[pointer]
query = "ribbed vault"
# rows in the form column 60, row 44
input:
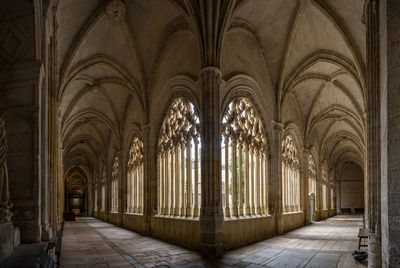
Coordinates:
column 306, row 56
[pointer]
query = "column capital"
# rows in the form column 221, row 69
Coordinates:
column 277, row 126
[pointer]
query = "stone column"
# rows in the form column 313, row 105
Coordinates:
column 276, row 179
column 389, row 37
column 339, row 193
column 211, row 217
column 149, row 179
column 60, row 186
column 46, row 231
column 122, row 189
column 189, row 194
column 320, row 192
column 246, row 181
column 240, row 187
column 305, row 198
column 196, row 178
column 374, row 129
column 90, row 203
column 235, row 211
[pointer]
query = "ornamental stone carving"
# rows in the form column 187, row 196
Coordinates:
column 181, row 125
column 242, row 125
column 116, row 10
column 115, row 168
column 135, row 154
column 5, row 203
column 289, row 152
column 312, row 171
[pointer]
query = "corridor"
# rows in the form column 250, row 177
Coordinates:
column 89, row 242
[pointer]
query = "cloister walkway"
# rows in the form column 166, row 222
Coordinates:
column 89, row 242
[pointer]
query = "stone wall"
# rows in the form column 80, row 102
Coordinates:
column 244, row 231
column 184, row 232
column 292, row 221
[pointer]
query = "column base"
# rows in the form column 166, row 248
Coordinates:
column 189, row 211
column 211, row 235
column 212, row 251
column 46, row 232
column 176, row 211
column 7, row 240
column 196, row 212
column 374, row 252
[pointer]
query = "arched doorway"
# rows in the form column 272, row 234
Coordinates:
column 351, row 189
column 311, row 197
column 76, row 192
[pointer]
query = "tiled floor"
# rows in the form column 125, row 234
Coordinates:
column 89, row 242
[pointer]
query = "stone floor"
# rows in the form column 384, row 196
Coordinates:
column 89, row 242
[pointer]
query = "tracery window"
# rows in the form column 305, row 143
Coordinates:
column 114, row 185
column 179, row 161
column 135, row 177
column 312, row 178
column 290, row 176
column 244, row 161
column 324, row 174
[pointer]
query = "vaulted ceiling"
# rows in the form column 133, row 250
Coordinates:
column 307, row 56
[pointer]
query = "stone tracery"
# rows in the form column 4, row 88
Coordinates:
column 290, row 176
column 135, row 177
column 114, row 185
column 324, row 182
column 312, row 179
column 244, row 172
column 179, row 161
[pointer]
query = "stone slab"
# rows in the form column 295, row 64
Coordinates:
column 7, row 240
column 291, row 258
column 326, row 260
column 263, row 255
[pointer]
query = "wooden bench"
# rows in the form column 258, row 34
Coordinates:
column 362, row 234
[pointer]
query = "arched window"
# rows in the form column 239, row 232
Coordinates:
column 179, row 161
column 135, row 177
column 312, row 178
column 103, row 197
column 114, row 185
column 244, row 161
column 324, row 175
column 95, row 199
column 290, row 176
column 103, row 188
